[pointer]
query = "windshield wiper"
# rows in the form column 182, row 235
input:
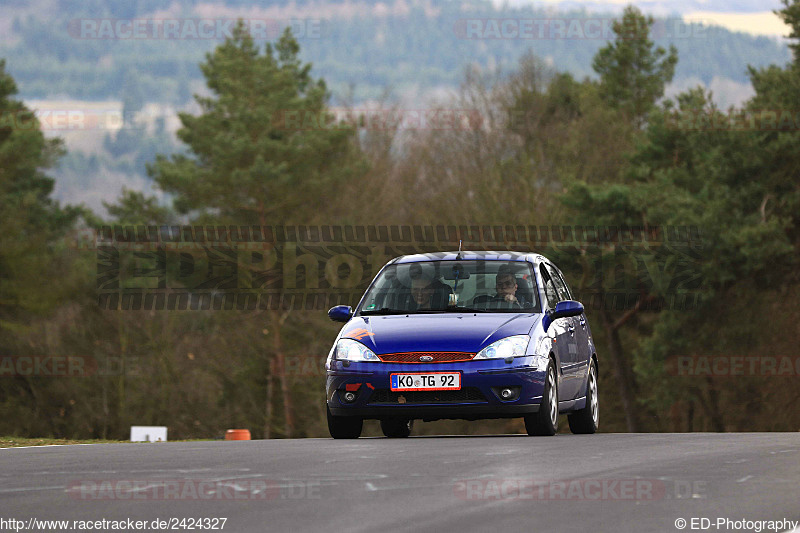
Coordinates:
column 388, row 311
column 384, row 311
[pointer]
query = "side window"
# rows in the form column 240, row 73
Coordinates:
column 550, row 291
column 561, row 287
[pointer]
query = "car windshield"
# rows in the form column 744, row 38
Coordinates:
column 453, row 286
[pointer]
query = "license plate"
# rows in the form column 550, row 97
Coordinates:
column 425, row 381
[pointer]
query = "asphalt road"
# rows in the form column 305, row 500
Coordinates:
column 605, row 482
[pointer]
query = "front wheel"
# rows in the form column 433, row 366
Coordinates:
column 545, row 422
column 344, row 427
column 397, row 428
column 587, row 420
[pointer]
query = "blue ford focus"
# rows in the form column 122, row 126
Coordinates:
column 463, row 335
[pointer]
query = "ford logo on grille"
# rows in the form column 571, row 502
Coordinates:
column 425, row 358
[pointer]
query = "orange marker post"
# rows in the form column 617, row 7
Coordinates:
column 237, row 434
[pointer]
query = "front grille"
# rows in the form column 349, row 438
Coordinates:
column 467, row 394
column 438, row 357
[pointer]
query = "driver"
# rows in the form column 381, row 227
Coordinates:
column 421, row 291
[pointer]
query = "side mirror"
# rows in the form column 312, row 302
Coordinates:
column 342, row 313
column 564, row 309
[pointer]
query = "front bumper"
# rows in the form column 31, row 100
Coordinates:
column 483, row 380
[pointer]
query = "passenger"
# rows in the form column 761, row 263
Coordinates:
column 506, row 287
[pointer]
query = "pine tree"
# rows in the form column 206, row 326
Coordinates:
column 632, row 72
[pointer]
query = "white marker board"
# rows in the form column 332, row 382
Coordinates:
column 148, row 433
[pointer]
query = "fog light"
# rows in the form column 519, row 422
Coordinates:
column 506, row 393
column 349, row 396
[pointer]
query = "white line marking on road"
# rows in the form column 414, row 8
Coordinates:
column 57, row 473
column 52, row 446
column 29, row 489
column 372, row 488
column 147, row 471
column 783, row 451
column 745, row 478
column 345, row 477
column 153, row 485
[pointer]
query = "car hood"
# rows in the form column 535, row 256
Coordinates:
column 451, row 332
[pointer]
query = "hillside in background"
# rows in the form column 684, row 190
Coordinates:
column 411, row 51
column 410, row 48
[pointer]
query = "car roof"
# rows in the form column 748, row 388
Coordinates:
column 506, row 255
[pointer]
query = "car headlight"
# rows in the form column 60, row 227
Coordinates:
column 514, row 346
column 350, row 350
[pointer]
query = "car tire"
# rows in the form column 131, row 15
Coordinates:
column 587, row 420
column 344, row 427
column 545, row 422
column 397, row 428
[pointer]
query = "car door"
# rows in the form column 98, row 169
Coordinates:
column 559, row 330
column 572, row 366
column 583, row 334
